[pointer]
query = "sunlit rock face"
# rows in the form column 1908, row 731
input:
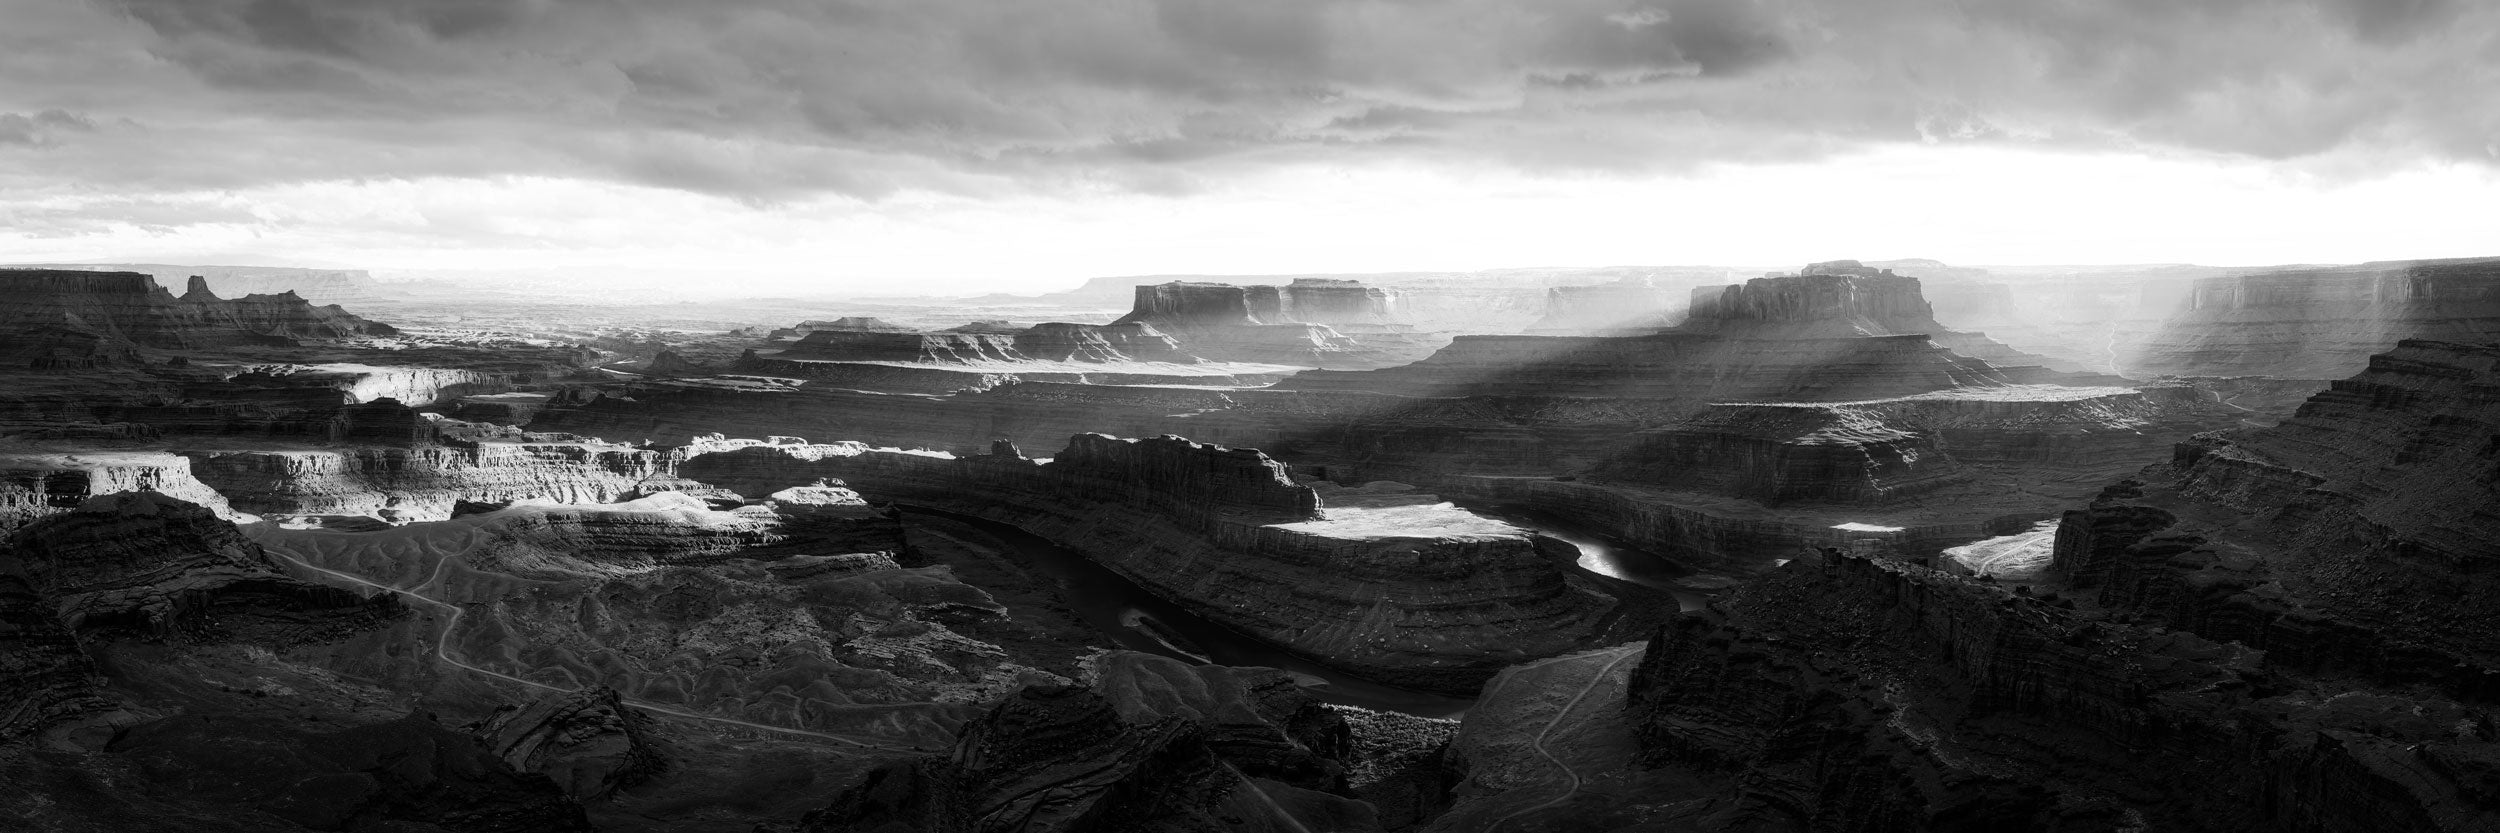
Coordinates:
column 2321, row 323
column 1427, row 596
column 413, row 469
column 37, row 485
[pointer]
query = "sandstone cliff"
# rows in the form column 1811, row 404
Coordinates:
column 2352, row 538
column 2321, row 323
column 1853, row 693
column 143, row 565
column 422, row 474
column 37, row 485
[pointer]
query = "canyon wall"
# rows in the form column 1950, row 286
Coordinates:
column 424, row 478
column 2321, row 323
column 1424, row 596
column 2355, row 537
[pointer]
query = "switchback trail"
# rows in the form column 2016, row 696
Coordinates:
column 1573, row 788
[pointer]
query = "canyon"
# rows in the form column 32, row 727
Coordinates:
column 1883, row 546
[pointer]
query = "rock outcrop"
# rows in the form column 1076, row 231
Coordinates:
column 423, row 474
column 2353, row 538
column 2321, row 323
column 1065, row 758
column 1775, row 454
column 143, row 565
column 2282, row 628
column 38, row 485
column 589, row 742
column 1132, row 353
column 1425, row 596
column 1856, row 693
column 152, row 563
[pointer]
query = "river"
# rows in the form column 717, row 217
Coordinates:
column 1137, row 620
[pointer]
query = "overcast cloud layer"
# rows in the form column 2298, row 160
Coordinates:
column 775, row 102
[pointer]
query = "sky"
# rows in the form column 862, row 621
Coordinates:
column 759, row 147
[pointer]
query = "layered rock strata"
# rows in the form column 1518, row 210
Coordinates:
column 589, row 742
column 422, row 477
column 2353, row 538
column 38, row 485
column 143, row 565
column 1066, row 758
column 1114, row 354
column 1426, row 596
column 2321, row 323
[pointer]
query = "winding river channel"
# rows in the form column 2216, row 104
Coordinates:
column 1137, row 620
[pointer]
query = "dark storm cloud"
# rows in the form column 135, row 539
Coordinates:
column 778, row 99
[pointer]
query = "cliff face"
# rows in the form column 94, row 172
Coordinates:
column 148, row 561
column 1059, row 342
column 1426, row 596
column 1850, row 693
column 423, row 478
column 142, row 565
column 2353, row 538
column 1326, row 301
column 2321, row 323
column 35, row 486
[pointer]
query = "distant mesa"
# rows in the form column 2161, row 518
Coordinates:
column 70, row 320
column 1631, row 305
column 348, row 287
column 845, row 324
column 1311, row 322
column 2321, row 323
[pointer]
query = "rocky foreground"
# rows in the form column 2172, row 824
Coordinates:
column 2267, row 633
column 269, row 567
